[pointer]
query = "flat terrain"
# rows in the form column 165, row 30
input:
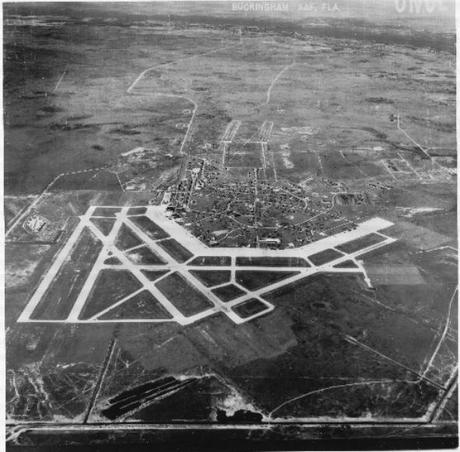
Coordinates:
column 216, row 217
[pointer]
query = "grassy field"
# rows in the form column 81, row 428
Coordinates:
column 110, row 286
column 185, row 297
column 149, row 227
column 212, row 278
column 144, row 256
column 176, row 250
column 210, row 260
column 324, row 257
column 141, row 306
column 228, row 292
column 104, row 224
column 66, row 286
column 254, row 280
column 359, row 244
column 127, row 238
column 272, row 261
column 249, row 308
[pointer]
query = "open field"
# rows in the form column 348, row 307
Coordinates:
column 229, row 219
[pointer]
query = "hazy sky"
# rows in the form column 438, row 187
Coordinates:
column 432, row 15
column 443, row 10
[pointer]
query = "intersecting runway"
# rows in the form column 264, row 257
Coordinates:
column 279, row 267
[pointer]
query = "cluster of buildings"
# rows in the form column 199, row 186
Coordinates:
column 221, row 209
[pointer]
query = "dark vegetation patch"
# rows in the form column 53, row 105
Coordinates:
column 144, row 256
column 79, row 117
column 446, row 127
column 65, row 126
column 239, row 417
column 249, row 308
column 186, row 298
column 112, row 261
column 126, row 238
column 272, row 261
column 324, row 257
column 361, row 243
column 379, row 100
column 153, row 275
column 137, row 210
column 106, row 211
column 350, row 311
column 125, row 130
column 229, row 292
column 379, row 135
column 351, row 199
column 133, row 398
column 197, row 395
column 149, row 227
column 176, row 250
column 167, row 399
column 104, row 224
column 52, row 109
column 22, row 62
column 212, row 278
column 254, row 280
column 110, row 286
column 200, row 88
column 346, row 264
column 211, row 261
column 141, row 306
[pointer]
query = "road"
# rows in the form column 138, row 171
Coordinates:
column 275, row 79
column 443, row 334
column 398, row 125
column 180, row 60
column 37, row 200
column 60, row 79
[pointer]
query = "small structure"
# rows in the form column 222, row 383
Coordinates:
column 34, row 223
column 271, row 241
column 133, row 151
column 166, row 197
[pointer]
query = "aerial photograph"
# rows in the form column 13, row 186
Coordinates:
column 230, row 223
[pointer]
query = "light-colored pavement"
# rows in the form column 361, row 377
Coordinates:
column 159, row 216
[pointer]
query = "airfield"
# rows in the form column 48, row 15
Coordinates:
column 239, row 226
column 150, row 247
